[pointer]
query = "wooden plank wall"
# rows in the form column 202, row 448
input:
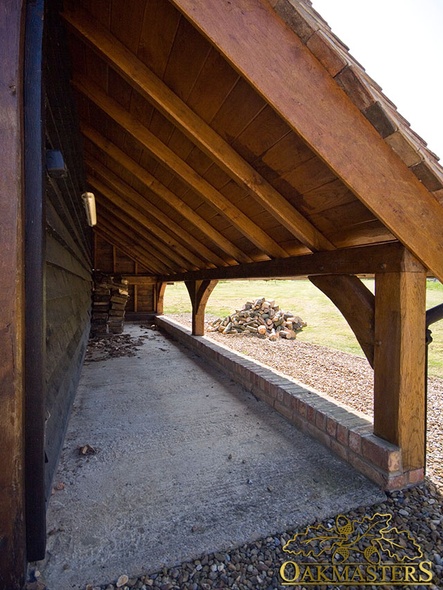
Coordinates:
column 12, row 529
column 68, row 252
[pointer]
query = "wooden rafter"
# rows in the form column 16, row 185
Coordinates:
column 177, row 166
column 139, row 201
column 147, row 240
column 304, row 94
column 147, row 84
column 170, row 259
column 164, row 193
column 139, row 244
column 185, row 255
column 117, row 240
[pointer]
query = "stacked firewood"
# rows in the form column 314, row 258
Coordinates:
column 261, row 317
column 109, row 299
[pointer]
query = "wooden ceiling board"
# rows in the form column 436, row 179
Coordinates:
column 188, row 55
column 215, row 82
column 282, row 157
column 256, row 190
column 99, row 9
column 141, row 109
column 332, row 127
column 154, row 234
column 331, row 194
column 342, row 218
column 373, row 232
column 138, row 237
column 105, row 232
column 206, row 139
column 160, row 24
column 126, row 22
column 189, row 245
column 189, row 234
column 118, row 238
column 93, row 67
column 119, row 90
column 263, row 132
column 238, row 110
column 116, row 159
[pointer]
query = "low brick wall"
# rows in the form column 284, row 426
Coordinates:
column 346, row 432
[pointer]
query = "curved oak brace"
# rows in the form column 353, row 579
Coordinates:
column 159, row 296
column 355, row 302
column 199, row 292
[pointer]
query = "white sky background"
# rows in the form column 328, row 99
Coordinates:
column 400, row 45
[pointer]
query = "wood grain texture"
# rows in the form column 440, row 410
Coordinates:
column 12, row 555
column 164, row 193
column 148, row 206
column 379, row 258
column 142, row 216
column 155, row 91
column 355, row 302
column 334, row 128
column 399, row 364
column 141, row 250
column 167, row 157
column 199, row 292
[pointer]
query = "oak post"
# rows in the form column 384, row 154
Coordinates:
column 159, row 296
column 399, row 363
column 199, row 292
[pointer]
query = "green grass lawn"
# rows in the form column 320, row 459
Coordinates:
column 326, row 326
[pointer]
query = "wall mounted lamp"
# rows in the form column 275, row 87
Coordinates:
column 89, row 203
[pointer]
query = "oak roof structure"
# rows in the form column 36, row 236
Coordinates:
column 222, row 139
column 220, row 134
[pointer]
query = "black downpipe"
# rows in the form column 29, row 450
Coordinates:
column 34, row 377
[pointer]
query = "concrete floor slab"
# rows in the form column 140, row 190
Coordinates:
column 186, row 462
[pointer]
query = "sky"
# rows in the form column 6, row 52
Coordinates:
column 400, row 45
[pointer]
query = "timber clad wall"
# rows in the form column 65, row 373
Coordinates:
column 68, row 253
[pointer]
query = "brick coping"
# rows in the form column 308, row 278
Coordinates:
column 349, row 434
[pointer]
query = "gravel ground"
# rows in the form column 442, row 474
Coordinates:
column 349, row 379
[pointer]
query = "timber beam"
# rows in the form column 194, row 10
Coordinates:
column 295, row 84
column 147, row 223
column 138, row 235
column 149, row 208
column 164, row 193
column 165, row 156
column 391, row 257
column 199, row 292
column 148, row 85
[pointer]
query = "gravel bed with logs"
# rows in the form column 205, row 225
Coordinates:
column 349, row 379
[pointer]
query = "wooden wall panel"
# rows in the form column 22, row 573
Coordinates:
column 12, row 531
column 68, row 250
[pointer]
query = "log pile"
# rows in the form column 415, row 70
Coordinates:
column 109, row 299
column 262, row 318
